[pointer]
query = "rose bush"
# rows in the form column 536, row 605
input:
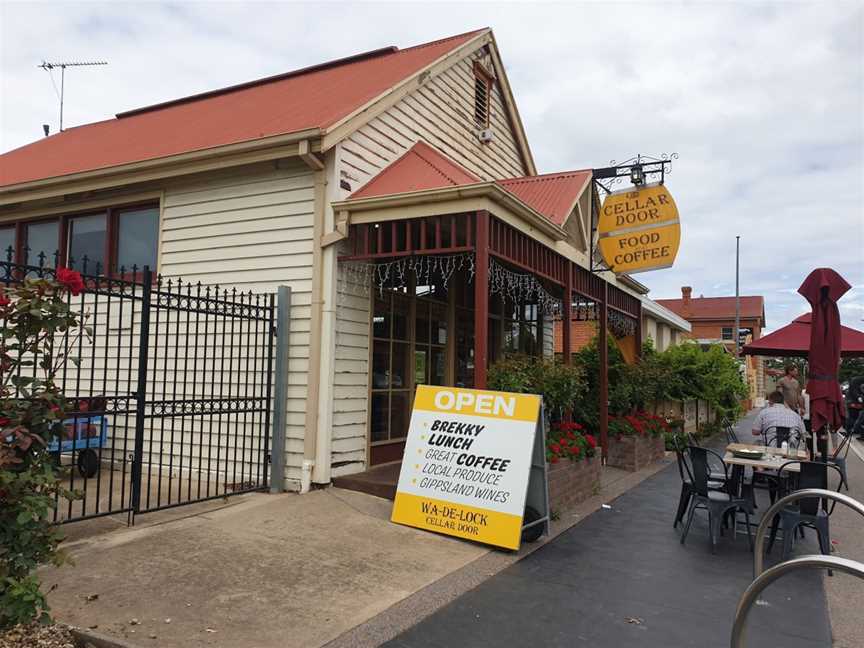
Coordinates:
column 33, row 314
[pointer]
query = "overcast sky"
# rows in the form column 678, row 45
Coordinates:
column 764, row 103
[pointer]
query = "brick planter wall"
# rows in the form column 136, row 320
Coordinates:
column 572, row 482
column 635, row 452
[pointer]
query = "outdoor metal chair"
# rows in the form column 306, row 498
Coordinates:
column 686, row 472
column 810, row 512
column 774, row 436
column 838, row 458
column 729, row 429
column 718, row 502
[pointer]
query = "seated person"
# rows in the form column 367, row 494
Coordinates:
column 777, row 414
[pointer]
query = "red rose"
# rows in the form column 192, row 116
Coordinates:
column 71, row 279
column 589, row 438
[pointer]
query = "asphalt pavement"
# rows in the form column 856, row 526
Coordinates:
column 622, row 578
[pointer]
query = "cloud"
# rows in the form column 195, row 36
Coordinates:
column 763, row 102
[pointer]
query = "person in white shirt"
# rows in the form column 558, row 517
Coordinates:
column 778, row 415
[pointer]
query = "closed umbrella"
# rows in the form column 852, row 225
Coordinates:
column 823, row 288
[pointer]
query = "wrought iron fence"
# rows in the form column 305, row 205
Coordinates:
column 170, row 392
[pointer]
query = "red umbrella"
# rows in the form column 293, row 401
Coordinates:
column 822, row 288
column 793, row 340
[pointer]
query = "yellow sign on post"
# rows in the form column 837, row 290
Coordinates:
column 639, row 229
column 467, row 464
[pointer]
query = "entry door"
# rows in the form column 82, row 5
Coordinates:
column 411, row 346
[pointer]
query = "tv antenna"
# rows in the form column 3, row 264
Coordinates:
column 50, row 66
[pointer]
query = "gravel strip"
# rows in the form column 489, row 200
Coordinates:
column 37, row 636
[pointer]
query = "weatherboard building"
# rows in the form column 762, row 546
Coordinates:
column 393, row 191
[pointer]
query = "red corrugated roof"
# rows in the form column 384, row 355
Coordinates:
column 314, row 97
column 424, row 167
column 715, row 307
column 553, row 194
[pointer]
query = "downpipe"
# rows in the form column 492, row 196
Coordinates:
column 306, row 476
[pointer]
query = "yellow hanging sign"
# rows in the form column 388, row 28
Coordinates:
column 639, row 229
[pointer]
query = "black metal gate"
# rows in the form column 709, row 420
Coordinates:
column 171, row 392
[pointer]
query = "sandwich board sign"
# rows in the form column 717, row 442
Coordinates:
column 473, row 460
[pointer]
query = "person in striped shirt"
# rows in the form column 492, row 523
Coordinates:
column 777, row 414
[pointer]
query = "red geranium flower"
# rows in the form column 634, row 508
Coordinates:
column 555, row 448
column 571, row 436
column 554, row 459
column 4, row 300
column 71, row 279
column 589, row 438
column 575, row 450
column 577, row 426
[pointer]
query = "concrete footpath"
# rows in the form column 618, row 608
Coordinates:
column 621, row 578
column 275, row 571
column 267, row 571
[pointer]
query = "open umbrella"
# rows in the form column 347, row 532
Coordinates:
column 822, row 288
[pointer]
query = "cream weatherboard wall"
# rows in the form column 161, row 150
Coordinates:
column 250, row 228
column 441, row 113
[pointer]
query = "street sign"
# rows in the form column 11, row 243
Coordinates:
column 469, row 457
column 639, row 229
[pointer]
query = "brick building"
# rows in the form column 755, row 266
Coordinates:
column 712, row 320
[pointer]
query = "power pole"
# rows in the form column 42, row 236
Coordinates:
column 737, row 300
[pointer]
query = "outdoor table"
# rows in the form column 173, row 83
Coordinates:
column 772, row 461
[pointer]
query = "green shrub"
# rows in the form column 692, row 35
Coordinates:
column 560, row 385
column 33, row 315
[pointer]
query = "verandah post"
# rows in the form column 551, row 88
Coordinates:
column 481, row 298
column 603, row 400
column 567, row 315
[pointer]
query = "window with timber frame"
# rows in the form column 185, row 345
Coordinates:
column 115, row 238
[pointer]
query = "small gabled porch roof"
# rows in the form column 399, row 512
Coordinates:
column 425, row 169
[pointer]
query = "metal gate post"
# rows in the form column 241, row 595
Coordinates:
column 141, row 391
column 280, row 392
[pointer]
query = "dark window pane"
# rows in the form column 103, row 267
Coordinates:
column 379, row 417
column 381, row 317
column 401, row 366
column 137, row 238
column 7, row 240
column 439, row 324
column 87, row 238
column 400, row 317
column 422, row 323
column 42, row 238
column 464, row 348
column 399, row 414
column 438, row 366
column 381, row 365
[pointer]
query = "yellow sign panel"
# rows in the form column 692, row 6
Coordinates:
column 467, row 464
column 639, row 230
